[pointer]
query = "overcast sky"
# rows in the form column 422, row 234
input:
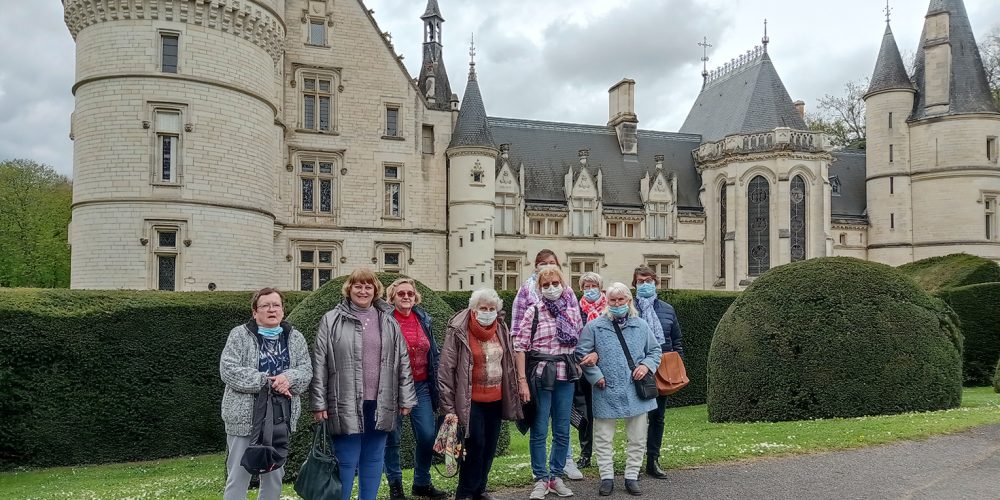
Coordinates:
column 537, row 59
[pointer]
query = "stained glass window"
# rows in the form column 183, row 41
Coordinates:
column 167, row 272
column 798, row 218
column 318, row 186
column 759, row 226
column 307, row 195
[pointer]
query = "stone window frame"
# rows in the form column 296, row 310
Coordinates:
column 656, row 210
column 385, row 249
column 588, row 262
column 154, row 109
column 991, row 214
column 396, row 105
column 763, row 237
column 161, row 36
column 506, row 273
column 505, row 204
column 796, row 235
column 388, row 181
column 318, row 158
column 551, row 225
column 621, row 226
column 309, row 22
column 582, row 218
column 302, row 73
column 316, row 267
column 665, row 279
column 427, row 146
column 991, row 149
column 152, row 240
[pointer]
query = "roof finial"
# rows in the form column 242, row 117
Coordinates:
column 765, row 40
column 704, row 58
column 472, row 57
column 888, row 11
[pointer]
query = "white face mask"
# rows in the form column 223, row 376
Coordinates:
column 552, row 292
column 486, row 318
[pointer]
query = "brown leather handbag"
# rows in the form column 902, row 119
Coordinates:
column 671, row 375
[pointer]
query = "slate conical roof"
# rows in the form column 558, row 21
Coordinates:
column 969, row 88
column 749, row 98
column 432, row 10
column 890, row 72
column 472, row 129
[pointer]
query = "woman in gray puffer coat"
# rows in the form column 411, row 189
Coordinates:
column 265, row 351
column 362, row 381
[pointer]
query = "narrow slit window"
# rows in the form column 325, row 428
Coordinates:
column 169, row 43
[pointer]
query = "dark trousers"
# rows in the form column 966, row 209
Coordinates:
column 584, row 402
column 480, row 447
column 654, row 435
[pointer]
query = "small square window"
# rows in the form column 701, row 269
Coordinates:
column 392, row 258
column 307, row 256
column 317, row 32
column 167, row 239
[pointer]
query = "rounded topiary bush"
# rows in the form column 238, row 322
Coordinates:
column 306, row 317
column 833, row 337
column 952, row 271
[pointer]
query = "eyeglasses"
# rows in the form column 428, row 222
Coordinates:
column 363, row 286
column 640, row 281
column 406, row 293
column 269, row 306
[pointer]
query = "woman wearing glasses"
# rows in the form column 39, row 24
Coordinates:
column 263, row 352
column 362, row 381
column 422, row 349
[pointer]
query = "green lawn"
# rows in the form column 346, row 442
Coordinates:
column 690, row 440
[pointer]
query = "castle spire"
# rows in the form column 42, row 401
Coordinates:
column 766, row 40
column 472, row 57
column 433, row 80
column 472, row 127
column 890, row 72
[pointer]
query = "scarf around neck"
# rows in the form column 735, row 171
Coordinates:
column 649, row 314
column 566, row 334
column 594, row 309
column 483, row 333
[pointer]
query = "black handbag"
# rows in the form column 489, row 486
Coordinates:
column 272, row 426
column 319, row 476
column 646, row 387
column 529, row 410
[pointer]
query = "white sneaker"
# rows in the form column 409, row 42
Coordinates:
column 556, row 486
column 571, row 471
column 541, row 489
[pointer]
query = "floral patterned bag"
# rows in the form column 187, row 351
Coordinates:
column 449, row 444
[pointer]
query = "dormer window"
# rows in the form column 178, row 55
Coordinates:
column 835, row 185
column 478, row 174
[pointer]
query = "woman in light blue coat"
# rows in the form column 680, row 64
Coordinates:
column 615, row 397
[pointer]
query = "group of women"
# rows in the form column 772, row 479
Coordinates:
column 376, row 361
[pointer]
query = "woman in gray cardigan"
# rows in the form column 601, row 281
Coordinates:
column 615, row 396
column 362, row 381
column 265, row 351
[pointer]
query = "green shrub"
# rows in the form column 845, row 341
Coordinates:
column 977, row 306
column 951, row 271
column 112, row 376
column 833, row 337
column 996, row 378
column 698, row 312
column 307, row 317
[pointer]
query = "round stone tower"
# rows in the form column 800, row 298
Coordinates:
column 176, row 150
column 472, row 157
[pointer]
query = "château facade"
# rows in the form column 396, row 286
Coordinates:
column 236, row 144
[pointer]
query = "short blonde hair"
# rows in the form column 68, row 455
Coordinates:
column 390, row 293
column 485, row 295
column 593, row 278
column 361, row 275
column 547, row 272
column 621, row 290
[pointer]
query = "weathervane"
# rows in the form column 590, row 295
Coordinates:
column 472, row 57
column 704, row 58
column 888, row 11
column 765, row 40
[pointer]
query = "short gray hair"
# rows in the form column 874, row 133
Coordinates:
column 485, row 294
column 593, row 278
column 621, row 289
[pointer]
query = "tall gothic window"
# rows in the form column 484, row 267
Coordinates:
column 317, row 102
column 798, row 218
column 759, row 226
column 503, row 217
column 723, row 229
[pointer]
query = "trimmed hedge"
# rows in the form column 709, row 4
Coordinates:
column 307, row 317
column 113, row 376
column 833, row 337
column 996, row 378
column 978, row 306
column 952, row 271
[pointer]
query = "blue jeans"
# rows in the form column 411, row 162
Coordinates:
column 361, row 454
column 422, row 421
column 554, row 404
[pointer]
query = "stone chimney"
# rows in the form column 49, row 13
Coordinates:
column 800, row 106
column 621, row 115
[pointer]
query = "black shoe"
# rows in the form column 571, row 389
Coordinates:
column 653, row 468
column 396, row 491
column 607, row 486
column 583, row 462
column 632, row 486
column 428, row 491
column 485, row 496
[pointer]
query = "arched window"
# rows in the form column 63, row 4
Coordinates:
column 722, row 232
column 759, row 226
column 798, row 218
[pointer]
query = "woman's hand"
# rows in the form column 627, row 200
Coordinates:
column 639, row 372
column 589, row 360
column 281, row 384
column 524, row 390
column 319, row 415
column 451, row 418
column 600, row 383
column 404, row 411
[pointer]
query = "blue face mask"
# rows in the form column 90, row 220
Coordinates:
column 619, row 311
column 269, row 332
column 646, row 290
column 592, row 294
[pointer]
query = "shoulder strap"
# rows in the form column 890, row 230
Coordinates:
column 621, row 340
column 534, row 326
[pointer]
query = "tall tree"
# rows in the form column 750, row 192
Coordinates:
column 842, row 117
column 34, row 218
column 989, row 49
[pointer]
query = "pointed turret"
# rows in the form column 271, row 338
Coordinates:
column 948, row 70
column 472, row 128
column 890, row 72
column 433, row 79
